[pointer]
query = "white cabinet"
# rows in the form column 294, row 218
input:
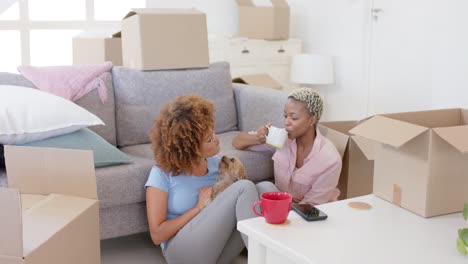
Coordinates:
column 253, row 56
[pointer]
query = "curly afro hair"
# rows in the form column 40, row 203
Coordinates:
column 179, row 132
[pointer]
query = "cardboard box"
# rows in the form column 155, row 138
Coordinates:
column 261, row 80
column 264, row 22
column 357, row 171
column 50, row 212
column 97, row 47
column 158, row 39
column 421, row 163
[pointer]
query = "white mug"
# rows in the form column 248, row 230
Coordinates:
column 276, row 137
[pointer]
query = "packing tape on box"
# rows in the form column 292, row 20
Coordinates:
column 397, row 194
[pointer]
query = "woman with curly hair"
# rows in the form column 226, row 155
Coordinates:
column 308, row 166
column 185, row 148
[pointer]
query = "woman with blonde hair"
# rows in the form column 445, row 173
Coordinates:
column 185, row 147
column 308, row 166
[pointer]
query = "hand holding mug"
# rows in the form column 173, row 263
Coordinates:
column 262, row 133
column 276, row 136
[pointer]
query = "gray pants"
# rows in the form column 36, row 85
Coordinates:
column 212, row 236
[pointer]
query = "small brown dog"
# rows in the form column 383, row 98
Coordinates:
column 230, row 170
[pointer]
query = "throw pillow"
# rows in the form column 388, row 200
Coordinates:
column 104, row 153
column 29, row 115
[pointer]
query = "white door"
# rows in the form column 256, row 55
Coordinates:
column 450, row 60
column 400, row 56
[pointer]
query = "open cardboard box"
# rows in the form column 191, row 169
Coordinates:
column 421, row 162
column 163, row 39
column 264, row 22
column 260, row 80
column 50, row 212
column 357, row 171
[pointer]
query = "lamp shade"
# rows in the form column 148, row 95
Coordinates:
column 312, row 69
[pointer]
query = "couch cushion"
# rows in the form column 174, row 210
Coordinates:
column 123, row 220
column 3, row 178
column 141, row 150
column 123, row 184
column 139, row 96
column 258, row 164
column 91, row 102
column 2, row 157
column 105, row 111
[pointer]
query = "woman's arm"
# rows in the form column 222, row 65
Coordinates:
column 156, row 208
column 244, row 140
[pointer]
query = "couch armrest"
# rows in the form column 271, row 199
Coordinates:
column 257, row 105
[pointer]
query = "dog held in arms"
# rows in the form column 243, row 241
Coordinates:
column 230, row 170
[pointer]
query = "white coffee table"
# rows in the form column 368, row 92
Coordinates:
column 384, row 234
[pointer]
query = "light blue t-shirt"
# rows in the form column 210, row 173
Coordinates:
column 182, row 189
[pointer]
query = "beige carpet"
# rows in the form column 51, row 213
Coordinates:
column 137, row 249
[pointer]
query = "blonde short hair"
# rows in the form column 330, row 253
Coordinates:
column 311, row 99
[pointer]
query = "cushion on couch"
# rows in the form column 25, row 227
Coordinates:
column 3, row 178
column 258, row 105
column 91, row 102
column 30, row 115
column 123, row 184
column 139, row 96
column 140, row 150
column 258, row 164
column 104, row 153
column 105, row 111
column 2, row 157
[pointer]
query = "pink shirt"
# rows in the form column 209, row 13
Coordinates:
column 313, row 183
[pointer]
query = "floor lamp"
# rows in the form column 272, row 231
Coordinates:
column 311, row 70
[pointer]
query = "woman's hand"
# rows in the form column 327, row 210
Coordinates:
column 203, row 195
column 244, row 140
column 262, row 133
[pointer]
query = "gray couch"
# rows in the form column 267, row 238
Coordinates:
column 135, row 98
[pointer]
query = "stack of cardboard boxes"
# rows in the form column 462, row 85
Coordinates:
column 151, row 39
column 263, row 22
column 163, row 39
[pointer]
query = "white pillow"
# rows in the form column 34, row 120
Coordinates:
column 28, row 114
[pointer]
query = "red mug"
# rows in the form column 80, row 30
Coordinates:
column 275, row 206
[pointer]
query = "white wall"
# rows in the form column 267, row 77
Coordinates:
column 334, row 27
column 450, row 57
column 341, row 28
column 337, row 28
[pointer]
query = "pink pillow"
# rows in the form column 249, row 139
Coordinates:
column 70, row 82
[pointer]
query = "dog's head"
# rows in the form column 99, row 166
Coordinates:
column 233, row 167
